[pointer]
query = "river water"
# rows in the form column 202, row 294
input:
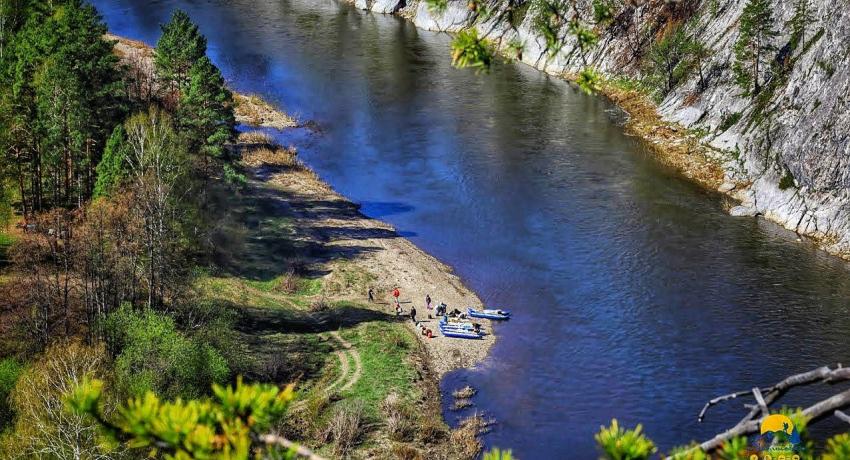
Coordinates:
column 636, row 296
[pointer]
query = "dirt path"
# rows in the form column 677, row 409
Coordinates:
column 358, row 363
column 337, row 230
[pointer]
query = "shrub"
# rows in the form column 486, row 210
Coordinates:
column 837, row 448
column 234, row 177
column 468, row 50
column 345, row 426
column 153, row 356
column 464, row 393
column 734, row 449
column 399, row 418
column 692, row 452
column 464, row 440
column 729, row 120
column 786, row 182
column 497, row 454
column 621, row 444
column 230, row 425
column 43, row 428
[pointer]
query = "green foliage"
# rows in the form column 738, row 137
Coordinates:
column 112, row 169
column 151, row 355
column 62, row 93
column 691, row 452
column 586, row 38
column 177, row 50
column 42, row 428
column 10, row 370
column 799, row 22
column 470, row 51
column 589, row 80
column 496, row 454
column 729, row 120
column 234, row 177
column 837, row 448
column 617, row 443
column 206, row 109
column 603, row 11
column 672, row 58
column 755, row 41
column 734, row 449
column 437, row 6
column 548, row 19
column 227, row 426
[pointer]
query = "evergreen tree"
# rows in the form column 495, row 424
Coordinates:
column 798, row 23
column 206, row 109
column 65, row 95
column 112, row 168
column 178, row 49
column 755, row 42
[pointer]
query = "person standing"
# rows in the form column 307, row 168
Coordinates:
column 371, row 296
column 428, row 301
column 413, row 314
column 396, row 294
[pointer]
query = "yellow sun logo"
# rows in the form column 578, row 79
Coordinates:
column 777, row 422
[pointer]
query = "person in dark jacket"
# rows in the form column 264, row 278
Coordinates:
column 413, row 314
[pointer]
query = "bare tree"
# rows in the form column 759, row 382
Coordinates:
column 158, row 162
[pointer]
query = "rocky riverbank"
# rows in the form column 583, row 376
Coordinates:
column 782, row 155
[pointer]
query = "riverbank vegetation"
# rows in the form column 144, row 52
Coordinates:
column 145, row 273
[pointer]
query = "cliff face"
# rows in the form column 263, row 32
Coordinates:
column 797, row 134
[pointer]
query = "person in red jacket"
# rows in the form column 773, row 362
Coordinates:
column 396, row 294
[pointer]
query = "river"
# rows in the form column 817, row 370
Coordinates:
column 636, row 296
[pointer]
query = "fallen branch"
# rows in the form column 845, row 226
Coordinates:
column 271, row 439
column 764, row 397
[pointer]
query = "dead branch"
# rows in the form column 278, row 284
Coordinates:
column 764, row 397
column 271, row 439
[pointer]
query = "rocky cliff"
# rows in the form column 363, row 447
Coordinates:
column 785, row 154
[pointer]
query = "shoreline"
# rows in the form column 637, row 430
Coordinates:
column 672, row 144
column 390, row 258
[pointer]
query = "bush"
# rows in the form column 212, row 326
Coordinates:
column 786, row 182
column 10, row 370
column 734, row 449
column 692, row 452
column 837, row 448
column 399, row 418
column 43, row 428
column 231, row 425
column 729, row 120
column 153, row 356
column 620, row 444
column 346, row 426
column 234, row 177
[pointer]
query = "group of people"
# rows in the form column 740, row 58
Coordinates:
column 396, row 293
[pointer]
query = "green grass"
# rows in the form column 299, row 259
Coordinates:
column 385, row 350
column 6, row 241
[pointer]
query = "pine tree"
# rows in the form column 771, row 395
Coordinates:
column 802, row 18
column 206, row 109
column 112, row 168
column 755, row 41
column 66, row 93
column 178, row 49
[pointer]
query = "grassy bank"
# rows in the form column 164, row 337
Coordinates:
column 300, row 317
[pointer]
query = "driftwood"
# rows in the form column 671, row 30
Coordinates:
column 301, row 451
column 764, row 397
